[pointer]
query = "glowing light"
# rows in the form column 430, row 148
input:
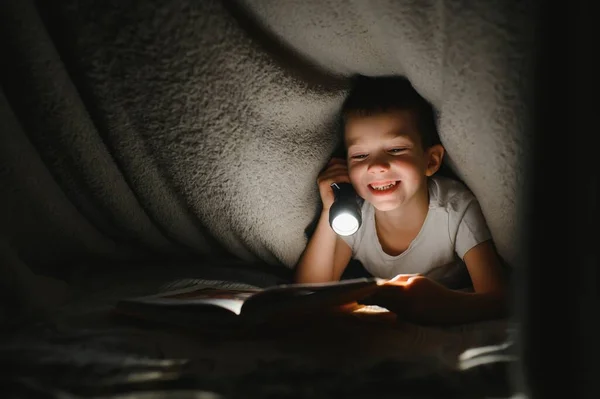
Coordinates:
column 345, row 224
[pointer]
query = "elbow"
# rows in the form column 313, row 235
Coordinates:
column 297, row 275
column 497, row 303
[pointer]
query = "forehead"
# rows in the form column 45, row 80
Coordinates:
column 382, row 126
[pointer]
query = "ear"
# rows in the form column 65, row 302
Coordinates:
column 434, row 156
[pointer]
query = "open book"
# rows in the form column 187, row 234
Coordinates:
column 202, row 305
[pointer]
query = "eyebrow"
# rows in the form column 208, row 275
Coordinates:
column 392, row 135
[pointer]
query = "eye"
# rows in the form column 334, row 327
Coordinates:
column 359, row 156
column 398, row 150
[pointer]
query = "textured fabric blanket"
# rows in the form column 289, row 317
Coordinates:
column 179, row 131
column 80, row 351
column 194, row 129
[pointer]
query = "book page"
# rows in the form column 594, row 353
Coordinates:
column 228, row 299
column 208, row 304
column 307, row 297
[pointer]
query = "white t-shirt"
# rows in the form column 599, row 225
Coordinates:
column 454, row 224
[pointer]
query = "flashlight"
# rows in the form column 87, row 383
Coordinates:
column 345, row 214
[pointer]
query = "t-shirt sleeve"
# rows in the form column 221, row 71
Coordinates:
column 472, row 229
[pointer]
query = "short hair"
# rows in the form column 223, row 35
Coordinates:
column 374, row 95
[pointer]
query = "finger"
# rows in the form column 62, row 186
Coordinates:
column 336, row 160
column 403, row 278
column 334, row 176
column 412, row 279
column 389, row 293
column 336, row 179
column 337, row 168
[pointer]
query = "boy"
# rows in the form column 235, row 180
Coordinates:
column 422, row 227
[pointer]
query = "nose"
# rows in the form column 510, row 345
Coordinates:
column 378, row 165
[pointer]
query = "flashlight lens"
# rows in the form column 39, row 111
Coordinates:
column 345, row 224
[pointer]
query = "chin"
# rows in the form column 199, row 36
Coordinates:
column 385, row 206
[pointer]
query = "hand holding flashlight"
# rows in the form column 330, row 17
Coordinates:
column 336, row 171
column 339, row 198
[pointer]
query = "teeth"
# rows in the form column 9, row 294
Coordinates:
column 383, row 188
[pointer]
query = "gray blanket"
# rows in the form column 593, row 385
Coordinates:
column 80, row 351
column 193, row 131
column 196, row 128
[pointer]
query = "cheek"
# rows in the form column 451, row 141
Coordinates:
column 354, row 178
column 409, row 165
column 355, row 174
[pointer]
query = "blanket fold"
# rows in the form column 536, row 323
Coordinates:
column 191, row 129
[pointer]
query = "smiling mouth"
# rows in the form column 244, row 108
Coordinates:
column 383, row 186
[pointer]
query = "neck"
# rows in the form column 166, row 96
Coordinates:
column 408, row 216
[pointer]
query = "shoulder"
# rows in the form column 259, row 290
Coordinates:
column 466, row 223
column 449, row 194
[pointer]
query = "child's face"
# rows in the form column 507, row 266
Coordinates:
column 386, row 160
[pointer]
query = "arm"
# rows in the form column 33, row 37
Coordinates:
column 486, row 272
column 489, row 299
column 423, row 300
column 325, row 257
